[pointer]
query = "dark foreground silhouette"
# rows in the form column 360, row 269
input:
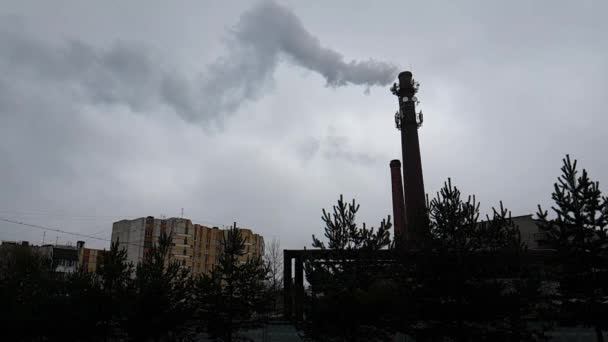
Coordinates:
column 466, row 280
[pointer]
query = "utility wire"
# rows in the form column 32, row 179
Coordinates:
column 62, row 231
column 86, row 237
column 26, row 213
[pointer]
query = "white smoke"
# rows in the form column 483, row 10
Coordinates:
column 128, row 75
column 270, row 29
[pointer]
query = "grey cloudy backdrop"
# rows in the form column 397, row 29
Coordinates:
column 263, row 113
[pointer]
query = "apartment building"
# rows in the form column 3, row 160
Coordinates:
column 193, row 246
column 89, row 258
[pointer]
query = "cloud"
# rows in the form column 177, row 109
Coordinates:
column 339, row 147
column 270, row 29
column 307, row 148
column 91, row 128
column 333, row 148
column 131, row 75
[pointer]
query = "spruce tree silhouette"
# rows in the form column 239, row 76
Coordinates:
column 27, row 291
column 466, row 282
column 347, row 288
column 114, row 279
column 161, row 303
column 235, row 290
column 579, row 233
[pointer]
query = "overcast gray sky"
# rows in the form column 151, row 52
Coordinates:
column 253, row 112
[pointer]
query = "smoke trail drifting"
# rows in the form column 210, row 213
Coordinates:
column 265, row 33
column 127, row 75
column 270, row 29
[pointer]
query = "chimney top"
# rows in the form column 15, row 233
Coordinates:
column 395, row 163
column 405, row 77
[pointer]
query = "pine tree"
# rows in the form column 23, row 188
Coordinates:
column 579, row 233
column 347, row 288
column 84, row 302
column 27, row 292
column 455, row 226
column 463, row 266
column 114, row 271
column 342, row 232
column 235, row 290
column 114, row 277
column 161, row 303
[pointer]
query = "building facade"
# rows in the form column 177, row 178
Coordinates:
column 193, row 246
column 531, row 235
column 89, row 258
column 64, row 258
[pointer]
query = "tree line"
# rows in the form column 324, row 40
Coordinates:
column 156, row 300
column 467, row 279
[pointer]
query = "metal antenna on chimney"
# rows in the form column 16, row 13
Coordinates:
column 43, row 237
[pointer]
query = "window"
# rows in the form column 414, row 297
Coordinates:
column 184, row 251
column 186, row 230
column 186, row 240
column 184, row 262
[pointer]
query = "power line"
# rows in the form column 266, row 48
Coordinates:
column 61, row 231
column 26, row 213
column 85, row 236
column 99, row 232
column 60, row 215
column 52, row 229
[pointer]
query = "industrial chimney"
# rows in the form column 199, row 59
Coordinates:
column 398, row 204
column 408, row 121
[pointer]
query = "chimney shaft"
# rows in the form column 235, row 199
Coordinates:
column 398, row 201
column 413, row 183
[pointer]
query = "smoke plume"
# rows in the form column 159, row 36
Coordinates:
column 129, row 75
column 270, row 29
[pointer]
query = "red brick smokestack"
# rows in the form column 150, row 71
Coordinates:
column 398, row 202
column 408, row 121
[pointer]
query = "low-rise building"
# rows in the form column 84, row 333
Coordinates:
column 531, row 235
column 64, row 258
